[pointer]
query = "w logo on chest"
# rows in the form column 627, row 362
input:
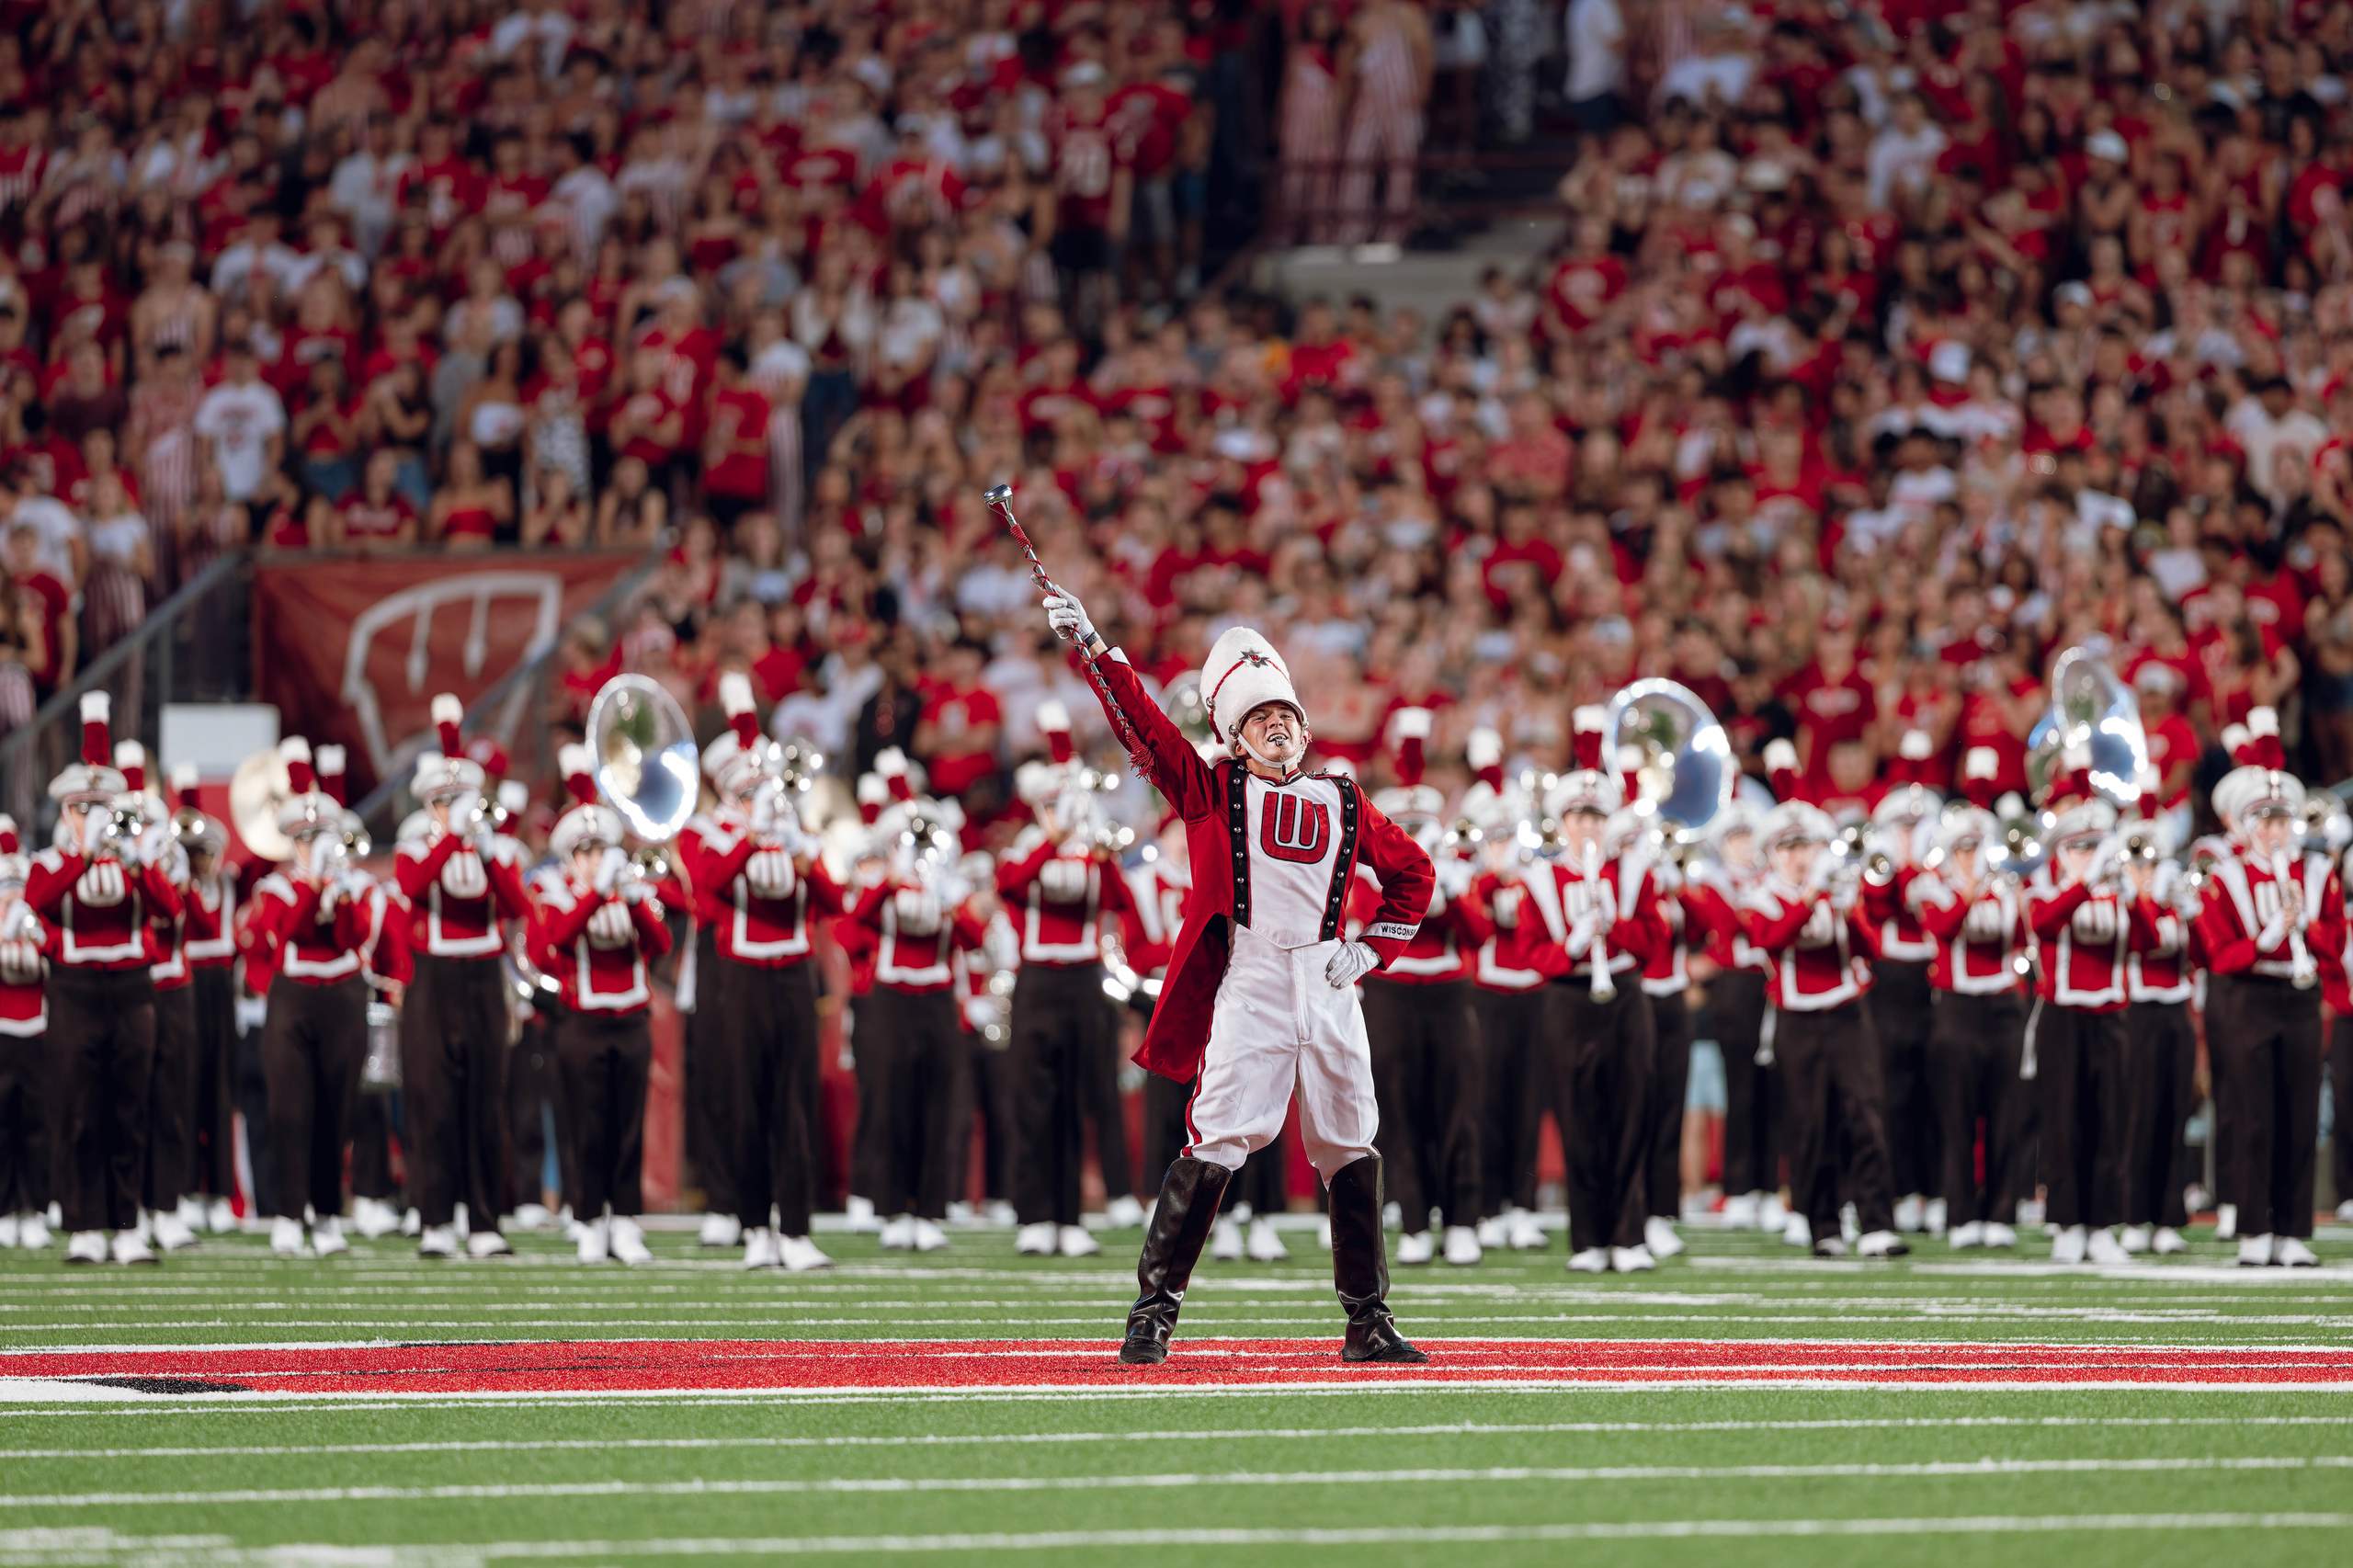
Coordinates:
column 1293, row 829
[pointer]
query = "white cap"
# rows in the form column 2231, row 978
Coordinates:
column 1242, row 674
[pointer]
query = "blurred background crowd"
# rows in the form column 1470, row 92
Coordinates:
column 1878, row 351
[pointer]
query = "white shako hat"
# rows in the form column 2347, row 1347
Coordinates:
column 1794, row 821
column 2247, row 792
column 1963, row 823
column 444, row 768
column 1242, row 672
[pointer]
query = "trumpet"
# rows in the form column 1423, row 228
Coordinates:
column 2304, row 969
column 1597, row 952
column 2140, row 844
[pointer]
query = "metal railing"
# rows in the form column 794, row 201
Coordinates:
column 190, row 648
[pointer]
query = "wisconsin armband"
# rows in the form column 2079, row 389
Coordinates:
column 1390, row 931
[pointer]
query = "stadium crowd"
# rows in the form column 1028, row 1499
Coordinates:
column 1886, row 350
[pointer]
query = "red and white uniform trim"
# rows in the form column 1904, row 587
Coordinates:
column 101, row 910
column 460, row 898
column 596, row 945
column 1057, row 899
column 1821, row 960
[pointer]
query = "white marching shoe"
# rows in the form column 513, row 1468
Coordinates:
column 1072, row 1241
column 627, row 1241
column 898, row 1234
column 2290, row 1252
column 1658, row 1234
column 1035, row 1241
column 930, row 1237
column 2135, row 1239
column 720, row 1231
column 2255, row 1252
column 488, row 1243
column 595, row 1245
column 1122, row 1213
column 1593, row 1260
column 1772, row 1214
column 191, row 1212
column 2067, row 1243
column 1911, row 1213
column 526, row 1216
column 1415, row 1247
column 1934, row 1219
column 326, row 1237
column 800, row 1255
column 9, row 1230
column 286, row 1237
column 1962, row 1237
column 373, row 1217
column 1798, row 1231
column 437, row 1240
column 1461, row 1247
column 2168, row 1243
column 86, row 1246
column 1226, row 1241
column 1266, row 1243
column 2000, row 1235
column 760, row 1248
column 859, row 1213
column 1739, row 1212
column 130, row 1246
column 1493, row 1232
column 2104, row 1248
column 2345, row 1212
column 2226, row 1221
column 1631, row 1260
column 220, row 1216
column 33, row 1235
column 1881, row 1243
column 1524, row 1230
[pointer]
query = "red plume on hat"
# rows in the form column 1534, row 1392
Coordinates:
column 301, row 778
column 1585, row 738
column 130, row 761
column 10, row 843
column 487, row 755
column 872, row 793
column 578, row 764
column 1053, row 720
column 97, row 743
column 1483, row 750
column 448, row 714
column 735, row 701
column 1410, row 728
column 2263, row 749
column 1781, row 769
column 184, row 784
column 331, row 773
column 1978, row 768
column 1629, row 773
column 1915, row 761
column 892, row 764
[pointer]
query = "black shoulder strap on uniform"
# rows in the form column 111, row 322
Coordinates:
column 1344, row 867
column 1237, row 826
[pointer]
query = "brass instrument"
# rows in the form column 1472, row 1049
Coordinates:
column 256, row 789
column 647, row 766
column 1604, row 989
column 2092, row 708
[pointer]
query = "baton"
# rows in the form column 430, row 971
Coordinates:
column 1000, row 501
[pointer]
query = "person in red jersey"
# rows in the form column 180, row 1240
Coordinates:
column 24, row 1076
column 310, row 920
column 102, row 893
column 2160, row 1042
column 596, row 927
column 211, row 962
column 1807, row 919
column 1713, row 891
column 463, row 885
column 2272, row 929
column 1261, row 995
column 1510, row 1002
column 1901, row 1013
column 1666, row 981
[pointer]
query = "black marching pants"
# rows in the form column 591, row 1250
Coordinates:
column 101, row 1047
column 312, row 1046
column 602, row 1059
column 711, row 1077
column 2079, row 1060
column 1900, row 1015
column 913, row 1041
column 1670, row 1085
column 1063, row 1026
column 2160, row 1077
column 1735, row 1021
column 1426, row 1080
column 171, row 1101
column 1973, row 1078
column 2263, row 1036
column 23, row 1117
column 767, row 1021
column 1836, row 1134
column 534, row 1098
column 212, row 1158
column 1515, row 1069
column 371, row 1144
column 453, row 1085
column 1601, row 1093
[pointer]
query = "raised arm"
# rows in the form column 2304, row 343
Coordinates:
column 1169, row 761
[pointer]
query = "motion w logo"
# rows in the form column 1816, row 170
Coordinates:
column 1293, row 829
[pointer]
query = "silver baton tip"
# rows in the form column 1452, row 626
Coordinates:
column 998, row 493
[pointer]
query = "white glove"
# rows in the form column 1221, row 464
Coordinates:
column 19, row 923
column 1068, row 618
column 608, row 874
column 637, row 890
column 156, row 845
column 2273, row 935
column 94, row 831
column 1351, row 961
column 763, row 814
column 1843, row 896
column 1667, row 876
column 1454, row 877
column 1582, row 934
column 1506, row 908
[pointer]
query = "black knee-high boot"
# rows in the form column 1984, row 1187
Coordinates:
column 1360, row 1266
column 1190, row 1194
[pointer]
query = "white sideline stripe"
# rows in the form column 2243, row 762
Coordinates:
column 2213, row 1273
column 1204, row 1435
column 1232, row 1322
column 1160, row 1481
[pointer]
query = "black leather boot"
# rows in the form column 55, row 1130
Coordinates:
column 1361, row 1266
column 1190, row 1194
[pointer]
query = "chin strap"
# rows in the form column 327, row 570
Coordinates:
column 1290, row 770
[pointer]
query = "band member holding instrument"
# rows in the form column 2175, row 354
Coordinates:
column 311, row 920
column 1512, row 1004
column 211, row 961
column 1900, row 996
column 1715, row 889
column 24, row 1076
column 464, row 884
column 102, row 890
column 171, row 1142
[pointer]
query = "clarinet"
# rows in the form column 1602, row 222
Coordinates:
column 2304, row 972
column 1598, row 950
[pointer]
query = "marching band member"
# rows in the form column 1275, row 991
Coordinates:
column 171, row 1141
column 759, row 882
column 1604, row 922
column 24, row 1077
column 711, row 1075
column 984, row 992
column 1666, row 981
column 1713, row 891
column 2160, row 1055
column 2273, row 930
column 1808, row 920
column 1261, row 992
column 1417, row 1018
column 866, row 1158
column 919, row 913
column 596, row 927
column 211, row 961
column 102, row 896
column 463, row 884
column 1062, row 893
column 310, row 922
column 1512, row 1007
column 1975, row 918
column 378, row 1206
column 1900, row 1003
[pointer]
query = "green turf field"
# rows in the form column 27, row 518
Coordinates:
column 1333, row 1469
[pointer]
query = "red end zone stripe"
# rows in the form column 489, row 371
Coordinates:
column 648, row 1365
